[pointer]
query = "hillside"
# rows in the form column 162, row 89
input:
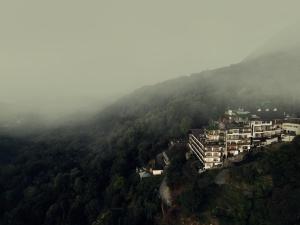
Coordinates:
column 272, row 78
column 85, row 174
column 262, row 189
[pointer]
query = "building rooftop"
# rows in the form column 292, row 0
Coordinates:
column 292, row 120
column 202, row 137
column 255, row 117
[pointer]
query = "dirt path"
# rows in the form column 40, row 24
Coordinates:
column 165, row 193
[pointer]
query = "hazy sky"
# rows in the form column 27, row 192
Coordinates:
column 66, row 54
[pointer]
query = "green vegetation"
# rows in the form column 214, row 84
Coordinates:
column 263, row 190
column 175, row 172
column 51, row 184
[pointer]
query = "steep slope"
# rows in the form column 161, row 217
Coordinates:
column 264, row 189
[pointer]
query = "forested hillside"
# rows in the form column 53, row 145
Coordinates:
column 85, row 174
column 261, row 190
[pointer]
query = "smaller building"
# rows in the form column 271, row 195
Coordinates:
column 143, row 173
column 236, row 116
column 157, row 172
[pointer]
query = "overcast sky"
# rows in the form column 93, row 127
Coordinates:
column 66, row 54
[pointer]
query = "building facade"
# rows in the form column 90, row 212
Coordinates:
column 290, row 129
column 238, row 139
column 208, row 146
column 265, row 132
column 236, row 132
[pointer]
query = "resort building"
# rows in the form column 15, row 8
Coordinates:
column 208, row 146
column 265, row 132
column 238, row 139
column 290, row 128
column 236, row 132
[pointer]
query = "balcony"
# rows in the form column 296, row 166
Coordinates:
column 232, row 148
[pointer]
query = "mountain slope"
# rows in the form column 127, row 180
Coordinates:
column 264, row 189
column 85, row 174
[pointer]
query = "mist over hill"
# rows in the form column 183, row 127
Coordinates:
column 272, row 78
column 264, row 79
column 285, row 42
column 270, row 74
column 79, row 173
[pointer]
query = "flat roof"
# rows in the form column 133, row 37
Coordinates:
column 292, row 120
column 237, row 126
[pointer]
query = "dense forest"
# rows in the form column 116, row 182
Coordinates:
column 86, row 174
column 262, row 189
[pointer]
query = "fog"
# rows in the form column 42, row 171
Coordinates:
column 69, row 57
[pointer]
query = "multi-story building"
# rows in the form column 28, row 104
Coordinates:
column 290, row 128
column 238, row 139
column 265, row 132
column 236, row 132
column 208, row 146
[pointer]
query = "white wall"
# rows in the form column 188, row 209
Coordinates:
column 291, row 127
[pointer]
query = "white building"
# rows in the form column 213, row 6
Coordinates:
column 208, row 146
column 239, row 131
column 238, row 139
column 265, row 132
column 290, row 128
